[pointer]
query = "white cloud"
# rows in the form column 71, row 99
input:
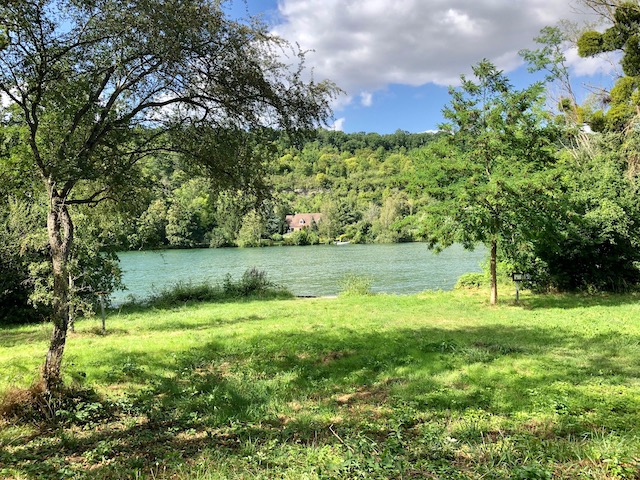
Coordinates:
column 366, row 99
column 601, row 64
column 461, row 23
column 338, row 125
column 5, row 101
column 365, row 45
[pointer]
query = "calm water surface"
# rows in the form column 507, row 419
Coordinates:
column 311, row 270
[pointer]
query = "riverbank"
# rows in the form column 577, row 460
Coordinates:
column 435, row 385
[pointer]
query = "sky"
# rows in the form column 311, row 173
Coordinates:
column 395, row 59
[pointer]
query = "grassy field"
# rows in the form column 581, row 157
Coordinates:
column 437, row 385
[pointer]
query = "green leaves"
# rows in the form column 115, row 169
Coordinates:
column 590, row 43
column 484, row 178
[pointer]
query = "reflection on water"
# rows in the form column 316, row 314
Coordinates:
column 312, row 270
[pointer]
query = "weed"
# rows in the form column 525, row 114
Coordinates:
column 532, row 472
column 127, row 370
column 254, row 283
column 69, row 405
column 472, row 280
column 352, row 284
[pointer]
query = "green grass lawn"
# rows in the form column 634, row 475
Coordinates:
column 437, row 385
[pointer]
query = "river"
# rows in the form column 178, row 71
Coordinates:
column 311, row 270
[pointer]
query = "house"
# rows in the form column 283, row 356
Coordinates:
column 300, row 221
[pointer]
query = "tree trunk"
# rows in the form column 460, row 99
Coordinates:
column 493, row 269
column 60, row 230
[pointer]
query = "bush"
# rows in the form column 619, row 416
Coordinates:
column 253, row 283
column 277, row 238
column 472, row 280
column 302, row 237
column 353, row 284
column 70, row 405
column 182, row 292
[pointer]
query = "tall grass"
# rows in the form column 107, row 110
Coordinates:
column 353, row 284
column 254, row 283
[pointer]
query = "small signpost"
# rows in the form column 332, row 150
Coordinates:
column 517, row 278
column 102, row 296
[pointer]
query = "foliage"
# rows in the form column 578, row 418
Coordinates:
column 254, row 283
column 591, row 239
column 622, row 36
column 472, row 280
column 362, row 197
column 26, row 280
column 486, row 178
column 352, row 284
column 434, row 385
column 550, row 58
column 251, row 231
column 22, row 250
column 301, row 238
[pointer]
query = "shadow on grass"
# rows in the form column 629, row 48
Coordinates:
column 12, row 336
column 290, row 388
column 570, row 301
column 144, row 307
column 205, row 324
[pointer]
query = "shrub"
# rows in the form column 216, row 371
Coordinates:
column 302, row 237
column 253, row 283
column 182, row 292
column 353, row 284
column 70, row 405
column 277, row 238
column 472, row 280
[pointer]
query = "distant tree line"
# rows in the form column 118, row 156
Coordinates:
column 357, row 181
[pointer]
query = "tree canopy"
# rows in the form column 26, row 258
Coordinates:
column 483, row 178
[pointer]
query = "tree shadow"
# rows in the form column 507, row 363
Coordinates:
column 217, row 396
column 205, row 324
column 10, row 336
column 571, row 301
column 136, row 306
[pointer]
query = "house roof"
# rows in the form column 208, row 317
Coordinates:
column 302, row 219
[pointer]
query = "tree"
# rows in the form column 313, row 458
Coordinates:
column 99, row 87
column 251, row 230
column 22, row 247
column 624, row 36
column 591, row 241
column 391, row 212
column 551, row 59
column 483, row 179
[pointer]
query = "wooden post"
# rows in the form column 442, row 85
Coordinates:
column 104, row 318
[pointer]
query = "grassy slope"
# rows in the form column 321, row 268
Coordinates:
column 430, row 386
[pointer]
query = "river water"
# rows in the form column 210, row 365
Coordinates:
column 311, row 270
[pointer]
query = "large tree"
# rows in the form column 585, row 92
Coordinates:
column 486, row 176
column 102, row 84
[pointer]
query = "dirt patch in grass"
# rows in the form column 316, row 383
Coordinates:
column 331, row 357
column 24, row 404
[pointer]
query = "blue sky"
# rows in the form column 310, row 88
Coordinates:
column 395, row 58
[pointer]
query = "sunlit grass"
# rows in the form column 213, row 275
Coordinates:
column 437, row 385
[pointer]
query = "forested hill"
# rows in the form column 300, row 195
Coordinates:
column 357, row 181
